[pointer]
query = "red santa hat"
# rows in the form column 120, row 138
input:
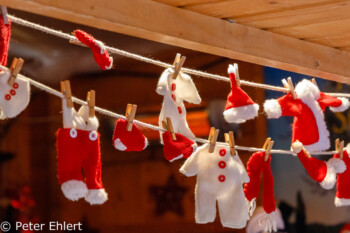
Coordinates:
column 125, row 140
column 101, row 55
column 182, row 147
column 5, row 34
column 239, row 106
column 257, row 166
column 324, row 173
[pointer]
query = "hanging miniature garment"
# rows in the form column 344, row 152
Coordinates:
column 219, row 178
column 182, row 147
column 257, row 166
column 342, row 197
column 239, row 106
column 13, row 99
column 345, row 229
column 101, row 55
column 308, row 108
column 78, row 147
column 175, row 92
column 125, row 140
column 5, row 34
column 324, row 173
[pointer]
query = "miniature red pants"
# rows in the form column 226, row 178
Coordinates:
column 77, row 150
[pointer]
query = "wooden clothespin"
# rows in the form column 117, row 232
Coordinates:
column 67, row 92
column 238, row 81
column 313, row 80
column 4, row 14
column 130, row 115
column 178, row 63
column 15, row 68
column 229, row 138
column 169, row 126
column 339, row 147
column 213, row 136
column 267, row 147
column 90, row 99
column 289, row 85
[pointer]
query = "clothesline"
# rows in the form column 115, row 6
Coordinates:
column 152, row 61
column 150, row 126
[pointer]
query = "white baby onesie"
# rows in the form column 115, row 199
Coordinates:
column 220, row 176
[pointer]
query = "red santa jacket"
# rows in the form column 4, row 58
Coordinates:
column 308, row 108
column 342, row 197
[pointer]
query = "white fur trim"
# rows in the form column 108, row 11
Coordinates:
column 96, row 196
column 146, row 143
column 74, row 189
column 241, row 114
column 306, row 89
column 334, row 167
column 297, row 147
column 251, row 206
column 231, row 69
column 119, row 145
column 110, row 64
column 272, row 108
column 344, row 105
column 268, row 222
column 178, row 157
column 341, row 202
column 101, row 46
column 194, row 147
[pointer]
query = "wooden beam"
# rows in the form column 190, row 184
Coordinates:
column 167, row 24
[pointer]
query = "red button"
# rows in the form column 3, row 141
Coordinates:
column 7, row 97
column 222, row 164
column 13, row 92
column 222, row 178
column 179, row 109
column 222, row 152
column 173, row 87
column 15, row 85
column 173, row 97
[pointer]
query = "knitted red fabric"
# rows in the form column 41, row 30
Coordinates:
column 317, row 169
column 237, row 97
column 256, row 168
column 125, row 140
column 343, row 181
column 5, row 34
column 77, row 150
column 181, row 148
column 345, row 229
column 100, row 53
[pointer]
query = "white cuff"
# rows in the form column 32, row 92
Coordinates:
column 344, row 105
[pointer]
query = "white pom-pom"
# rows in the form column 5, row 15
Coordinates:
column 272, row 108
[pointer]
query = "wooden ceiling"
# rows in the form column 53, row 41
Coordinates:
column 325, row 22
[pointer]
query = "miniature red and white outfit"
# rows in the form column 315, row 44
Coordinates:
column 78, row 147
column 308, row 108
column 175, row 92
column 99, row 50
column 220, row 177
column 239, row 106
column 125, row 140
column 342, row 197
column 5, row 34
column 257, row 166
column 13, row 99
column 323, row 172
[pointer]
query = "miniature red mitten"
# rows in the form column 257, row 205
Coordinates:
column 308, row 108
column 5, row 34
column 323, row 172
column 342, row 197
column 239, row 106
column 79, row 149
column 257, row 166
column 181, row 148
column 101, row 55
column 13, row 99
column 125, row 140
